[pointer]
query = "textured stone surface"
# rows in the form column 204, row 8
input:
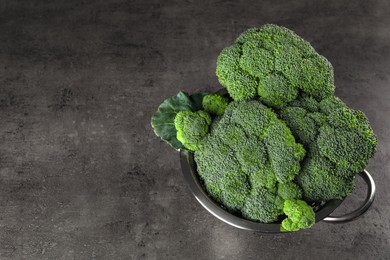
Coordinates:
column 82, row 175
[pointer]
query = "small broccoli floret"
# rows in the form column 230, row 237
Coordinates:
column 277, row 63
column 263, row 178
column 301, row 125
column 192, row 127
column 263, row 205
column 215, row 104
column 223, row 177
column 289, row 191
column 348, row 140
column 275, row 91
column 319, row 119
column 300, row 215
column 331, row 104
column 251, row 154
column 239, row 84
column 317, row 75
column 283, row 151
column 248, row 61
column 320, row 180
column 234, row 190
column 306, row 102
column 252, row 116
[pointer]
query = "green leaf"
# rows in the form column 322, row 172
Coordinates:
column 196, row 100
column 163, row 120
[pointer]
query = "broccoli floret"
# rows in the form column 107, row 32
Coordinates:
column 289, row 191
column 275, row 91
column 277, row 63
column 307, row 102
column 320, row 180
column 234, row 190
column 319, row 118
column 347, row 140
column 239, row 84
column 284, row 153
column 330, row 104
column 300, row 124
column 338, row 141
column 215, row 104
column 253, row 117
column 264, row 177
column 192, row 127
column 300, row 215
column 248, row 140
column 263, row 205
column 226, row 182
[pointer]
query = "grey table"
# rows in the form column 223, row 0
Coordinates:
column 82, row 175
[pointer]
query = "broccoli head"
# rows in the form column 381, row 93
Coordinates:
column 347, row 140
column 247, row 152
column 300, row 215
column 192, row 127
column 275, row 64
column 215, row 104
column 339, row 142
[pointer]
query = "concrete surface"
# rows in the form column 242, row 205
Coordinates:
column 82, row 175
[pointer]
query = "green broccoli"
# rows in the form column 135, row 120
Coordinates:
column 348, row 140
column 234, row 190
column 283, row 141
column 215, row 104
column 289, row 191
column 320, row 181
column 192, row 127
column 307, row 102
column 254, row 150
column 300, row 124
column 264, row 205
column 274, row 90
column 240, row 85
column 275, row 64
column 300, row 215
column 330, row 104
column 226, row 182
column 339, row 142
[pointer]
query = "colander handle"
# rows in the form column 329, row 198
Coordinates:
column 362, row 209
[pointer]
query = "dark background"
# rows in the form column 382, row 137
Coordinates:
column 82, row 175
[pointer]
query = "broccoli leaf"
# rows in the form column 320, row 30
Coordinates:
column 163, row 120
